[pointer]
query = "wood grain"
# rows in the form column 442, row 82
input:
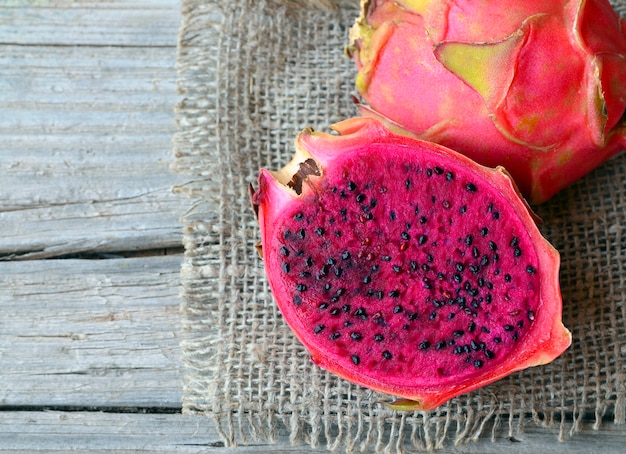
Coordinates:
column 86, row 130
column 91, row 432
column 91, row 333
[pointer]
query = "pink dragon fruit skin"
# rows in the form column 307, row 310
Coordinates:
column 538, row 86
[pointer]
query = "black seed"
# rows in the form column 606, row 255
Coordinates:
column 356, row 336
column 460, row 300
column 334, row 336
column 484, row 329
column 424, row 345
column 451, row 342
column 309, row 261
column 367, row 279
column 429, row 258
column 345, row 308
column 318, row 329
column 451, row 315
column 387, row 354
column 286, row 267
column 440, row 345
column 475, row 303
column 327, row 286
column 422, row 239
column 360, row 198
column 298, row 216
column 379, row 337
column 449, row 176
column 302, row 234
column 497, row 339
column 385, row 258
column 405, row 236
column 407, row 183
column 489, row 354
column 355, row 359
column 321, row 306
column 394, row 293
column 458, row 333
column 463, row 209
column 305, row 274
column 323, row 271
column 438, row 170
column 374, row 268
column 433, row 199
column 345, row 255
column 531, row 315
column 429, row 172
column 514, row 336
column 334, row 311
column 284, row 251
column 459, row 267
column 301, row 287
column 433, row 315
column 392, row 215
column 480, row 281
column 338, row 272
column 351, row 185
column 406, row 327
column 514, row 242
column 469, row 239
column 347, row 323
column 517, row 252
column 466, row 348
column 361, row 313
column 493, row 246
column 474, row 269
column 484, row 231
column 413, row 316
column 286, row 234
column 489, row 298
column 475, row 252
column 297, row 299
column 478, row 363
column 423, row 219
column 471, row 187
column 413, row 265
column 507, row 277
column 457, row 278
column 471, row 327
column 397, row 268
column 319, row 231
column 496, row 215
column 484, row 261
column 474, row 345
column 380, row 294
column 457, row 350
column 397, row 309
column 530, row 269
column 520, row 324
column 508, row 327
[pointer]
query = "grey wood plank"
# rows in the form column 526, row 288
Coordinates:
column 91, row 23
column 91, row 333
column 85, row 149
column 95, row 432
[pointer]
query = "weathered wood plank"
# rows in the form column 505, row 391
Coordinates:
column 85, row 149
column 55, row 431
column 75, row 23
column 90, row 333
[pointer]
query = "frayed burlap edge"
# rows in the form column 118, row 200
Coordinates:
column 248, row 85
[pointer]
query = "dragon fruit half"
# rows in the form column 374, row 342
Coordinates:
column 406, row 267
column 536, row 86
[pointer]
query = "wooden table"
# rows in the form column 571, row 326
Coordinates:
column 90, row 244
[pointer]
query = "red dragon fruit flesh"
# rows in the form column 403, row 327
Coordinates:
column 406, row 267
column 536, row 86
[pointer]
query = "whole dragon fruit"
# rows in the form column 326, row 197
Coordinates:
column 406, row 267
column 537, row 86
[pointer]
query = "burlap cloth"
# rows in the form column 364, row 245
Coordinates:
column 251, row 75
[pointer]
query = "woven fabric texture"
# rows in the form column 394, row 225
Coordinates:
column 251, row 75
